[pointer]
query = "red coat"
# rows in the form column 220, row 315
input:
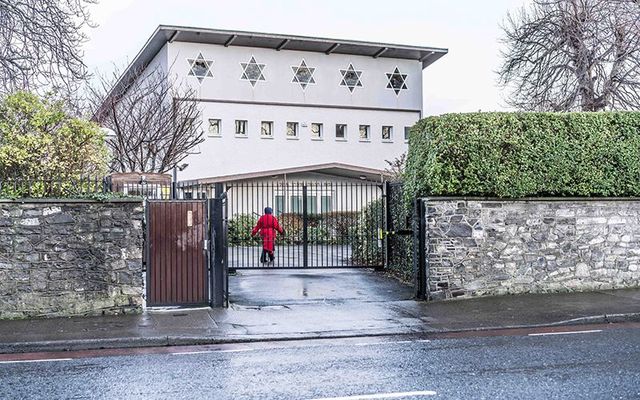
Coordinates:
column 267, row 225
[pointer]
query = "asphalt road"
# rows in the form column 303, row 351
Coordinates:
column 579, row 362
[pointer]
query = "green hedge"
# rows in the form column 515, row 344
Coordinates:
column 525, row 154
column 366, row 248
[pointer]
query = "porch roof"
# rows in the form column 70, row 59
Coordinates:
column 338, row 170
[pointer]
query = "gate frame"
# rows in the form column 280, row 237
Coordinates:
column 219, row 269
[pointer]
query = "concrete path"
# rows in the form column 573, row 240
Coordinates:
column 279, row 305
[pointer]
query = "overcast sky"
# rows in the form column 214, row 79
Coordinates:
column 463, row 80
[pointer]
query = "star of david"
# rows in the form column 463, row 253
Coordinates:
column 252, row 71
column 200, row 68
column 351, row 78
column 397, row 81
column 303, row 75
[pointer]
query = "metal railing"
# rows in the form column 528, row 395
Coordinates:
column 98, row 186
column 84, row 186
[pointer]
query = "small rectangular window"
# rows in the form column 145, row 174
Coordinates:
column 387, row 133
column 279, row 203
column 292, row 130
column 364, row 133
column 341, row 131
column 407, row 131
column 326, row 204
column 296, row 204
column 241, row 127
column 214, row 127
column 266, row 129
column 312, row 204
column 316, row 130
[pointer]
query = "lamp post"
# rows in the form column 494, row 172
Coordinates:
column 174, row 180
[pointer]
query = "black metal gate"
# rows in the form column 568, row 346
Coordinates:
column 332, row 224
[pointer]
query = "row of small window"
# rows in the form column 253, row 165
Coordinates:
column 293, row 130
column 320, row 203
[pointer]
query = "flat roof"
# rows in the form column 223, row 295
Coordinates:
column 331, row 169
column 169, row 33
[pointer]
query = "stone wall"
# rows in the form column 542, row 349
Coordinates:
column 70, row 258
column 495, row 247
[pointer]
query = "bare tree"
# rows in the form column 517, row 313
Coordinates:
column 156, row 123
column 40, row 44
column 566, row 55
column 395, row 168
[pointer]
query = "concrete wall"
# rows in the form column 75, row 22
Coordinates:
column 495, row 247
column 228, row 98
column 229, row 154
column 70, row 258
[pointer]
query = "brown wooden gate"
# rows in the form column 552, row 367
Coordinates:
column 177, row 257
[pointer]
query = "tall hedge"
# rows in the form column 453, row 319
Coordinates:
column 525, row 154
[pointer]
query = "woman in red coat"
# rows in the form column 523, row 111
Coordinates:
column 267, row 226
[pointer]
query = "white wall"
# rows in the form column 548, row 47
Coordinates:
column 229, row 154
column 278, row 87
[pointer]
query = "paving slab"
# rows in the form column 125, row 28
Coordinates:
column 282, row 305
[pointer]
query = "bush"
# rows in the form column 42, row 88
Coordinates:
column 525, row 154
column 400, row 247
column 293, row 227
column 240, row 227
column 338, row 223
column 366, row 248
column 42, row 145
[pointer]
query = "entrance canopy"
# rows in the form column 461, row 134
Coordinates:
column 331, row 170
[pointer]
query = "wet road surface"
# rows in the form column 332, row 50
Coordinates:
column 591, row 361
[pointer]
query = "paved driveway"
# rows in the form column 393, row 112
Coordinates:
column 332, row 286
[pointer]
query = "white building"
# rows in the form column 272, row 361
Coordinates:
column 280, row 102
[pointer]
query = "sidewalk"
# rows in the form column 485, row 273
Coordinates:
column 278, row 305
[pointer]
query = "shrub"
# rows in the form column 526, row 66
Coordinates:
column 525, row 154
column 366, row 248
column 338, row 223
column 240, row 227
column 293, row 227
column 400, row 247
column 42, row 145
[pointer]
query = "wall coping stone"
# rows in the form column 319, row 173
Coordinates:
column 69, row 201
column 526, row 199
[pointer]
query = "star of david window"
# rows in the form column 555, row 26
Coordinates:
column 200, row 67
column 252, row 71
column 351, row 78
column 397, row 81
column 303, row 75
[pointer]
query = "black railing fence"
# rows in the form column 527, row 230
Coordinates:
column 83, row 186
column 325, row 224
column 98, row 186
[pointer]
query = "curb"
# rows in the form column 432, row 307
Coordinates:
column 177, row 340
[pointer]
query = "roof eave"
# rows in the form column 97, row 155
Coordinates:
column 168, row 33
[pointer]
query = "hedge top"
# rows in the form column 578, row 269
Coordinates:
column 525, row 154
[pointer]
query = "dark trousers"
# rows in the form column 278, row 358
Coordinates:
column 266, row 254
